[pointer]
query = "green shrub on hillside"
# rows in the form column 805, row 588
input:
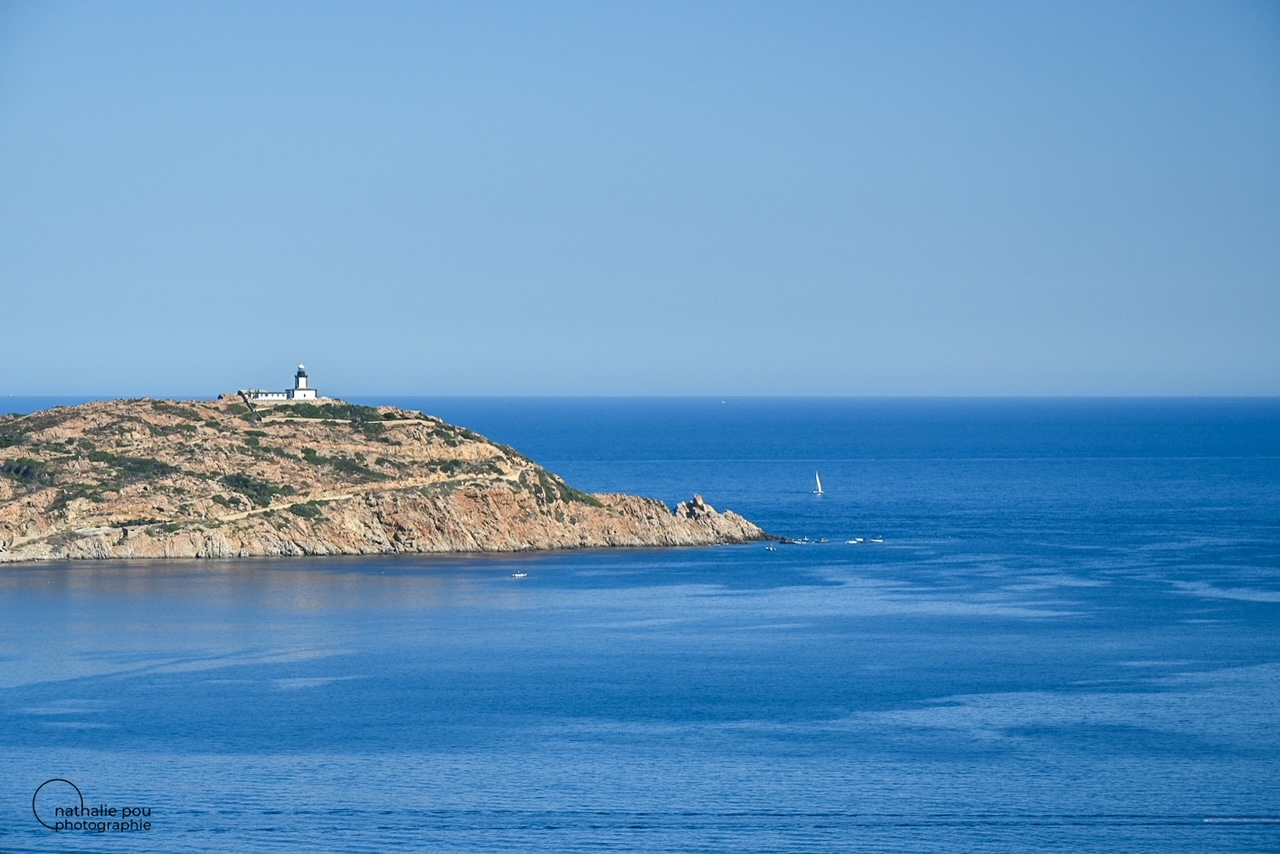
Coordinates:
column 348, row 466
column 133, row 468
column 549, row 489
column 309, row 510
column 260, row 492
column 173, row 409
column 25, row 469
column 344, row 465
column 10, row 435
column 334, row 411
column 72, row 491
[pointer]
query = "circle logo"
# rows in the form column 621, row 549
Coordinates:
column 53, row 794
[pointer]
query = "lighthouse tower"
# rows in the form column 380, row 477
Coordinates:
column 300, row 391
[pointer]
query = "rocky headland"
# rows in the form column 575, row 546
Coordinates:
column 230, row 478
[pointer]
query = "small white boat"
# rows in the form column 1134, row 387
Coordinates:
column 818, row 489
column 856, row 541
column 519, row 575
column 771, row 548
column 877, row 539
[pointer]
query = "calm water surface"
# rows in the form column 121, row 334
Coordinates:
column 1067, row 640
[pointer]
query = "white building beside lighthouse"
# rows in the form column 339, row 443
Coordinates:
column 301, row 390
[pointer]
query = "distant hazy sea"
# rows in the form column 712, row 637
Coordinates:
column 1068, row 640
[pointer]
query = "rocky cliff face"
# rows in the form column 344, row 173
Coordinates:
column 152, row 478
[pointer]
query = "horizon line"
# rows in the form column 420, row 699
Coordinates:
column 702, row 396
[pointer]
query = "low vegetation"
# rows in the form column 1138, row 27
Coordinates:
column 344, row 465
column 25, row 469
column 336, row 411
column 548, row 489
column 307, row 510
column 10, row 435
column 72, row 492
column 176, row 410
column 260, row 492
column 130, row 468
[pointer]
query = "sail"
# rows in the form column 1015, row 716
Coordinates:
column 817, row 491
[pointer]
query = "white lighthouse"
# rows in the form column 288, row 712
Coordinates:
column 300, row 391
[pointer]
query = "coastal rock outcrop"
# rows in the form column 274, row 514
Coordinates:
column 217, row 479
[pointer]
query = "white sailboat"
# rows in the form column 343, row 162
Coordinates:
column 818, row 490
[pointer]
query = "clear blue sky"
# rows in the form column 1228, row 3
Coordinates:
column 840, row 198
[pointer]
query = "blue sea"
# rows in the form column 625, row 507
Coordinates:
column 1060, row 632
